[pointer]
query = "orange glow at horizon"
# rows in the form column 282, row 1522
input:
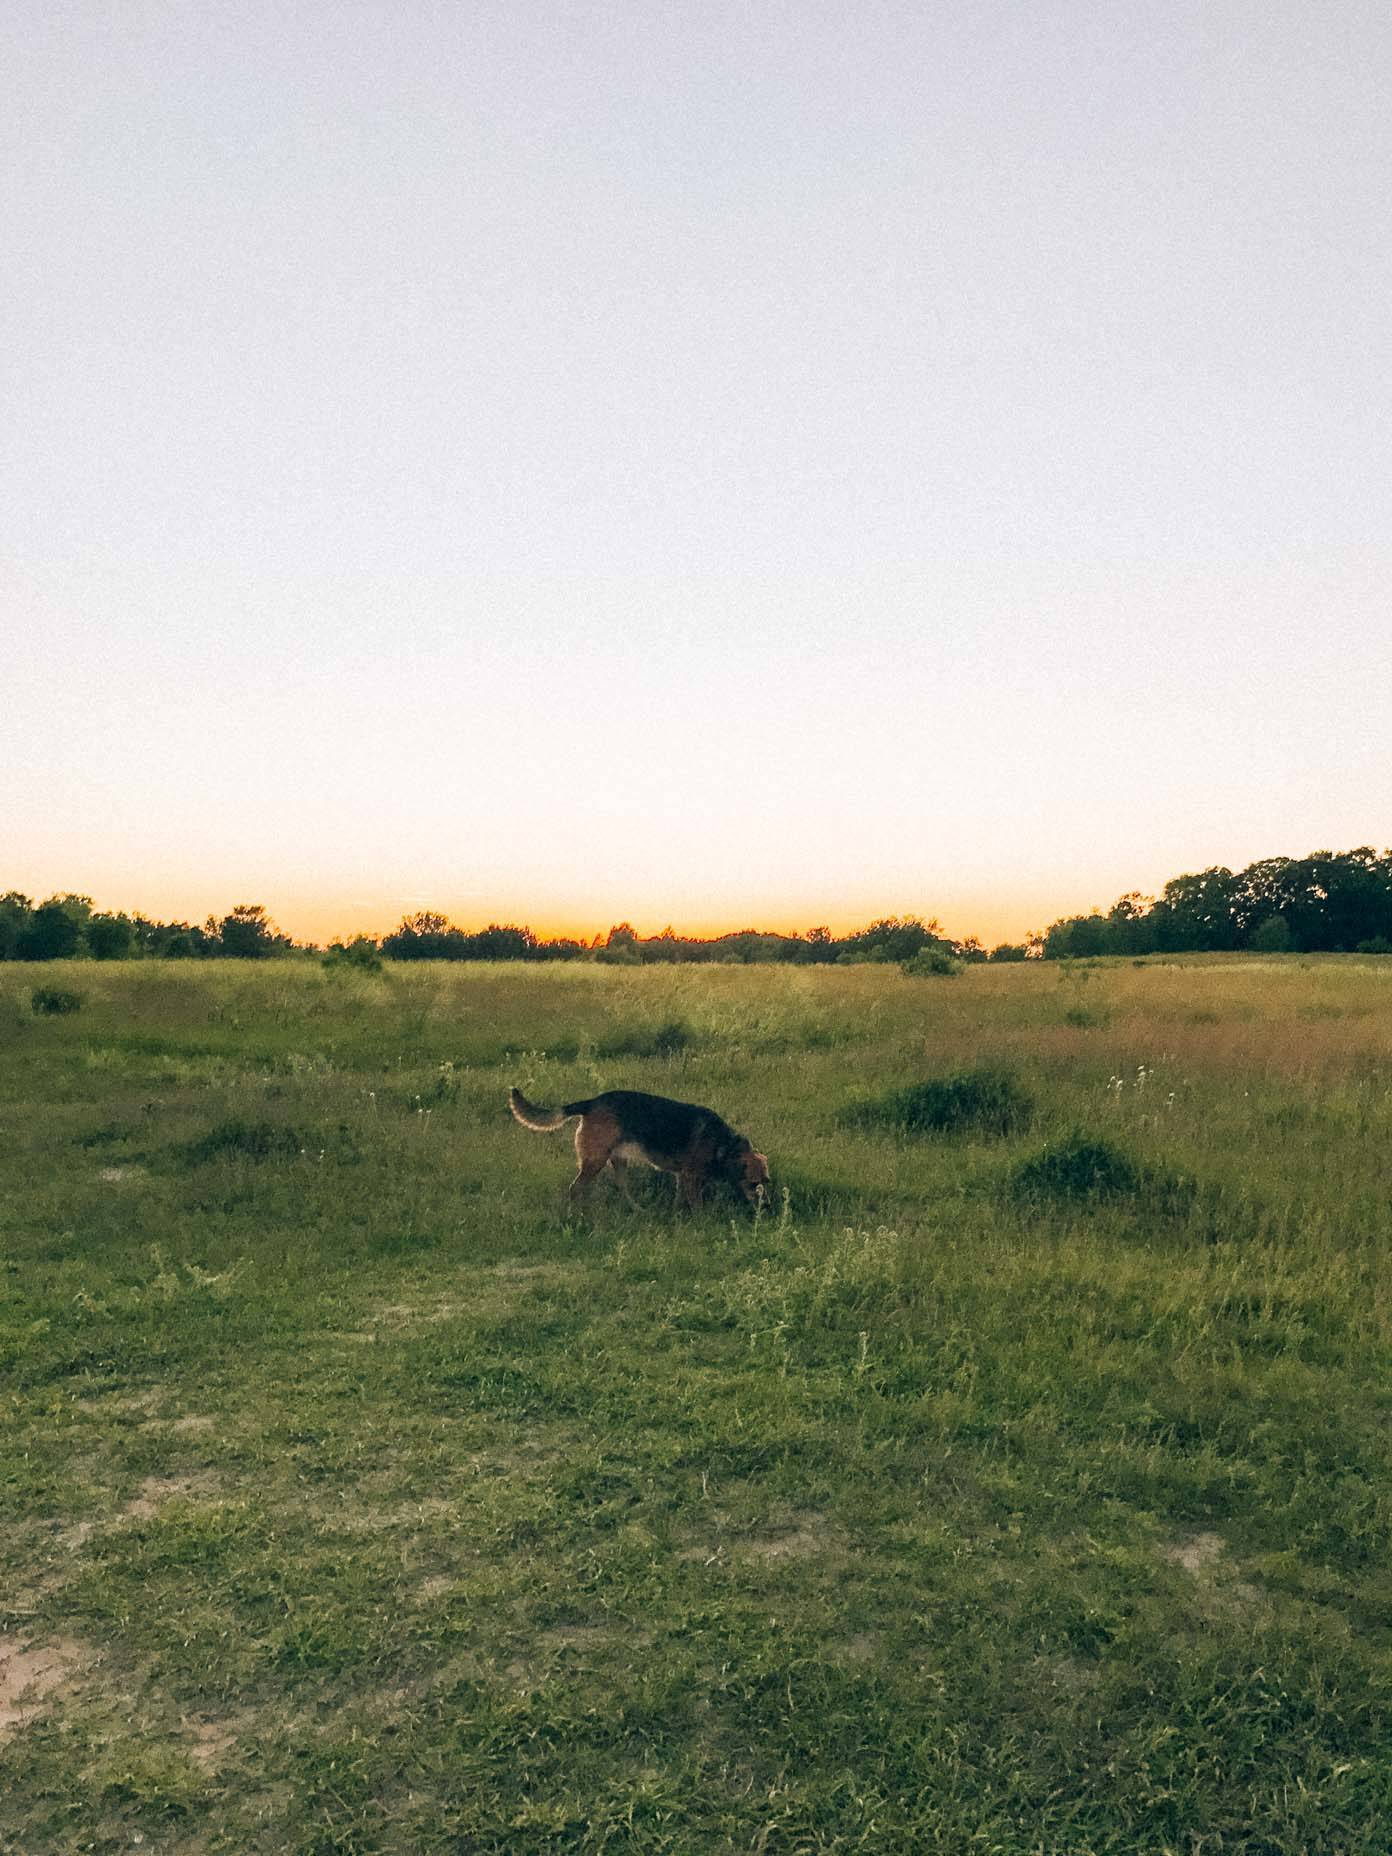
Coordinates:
column 317, row 919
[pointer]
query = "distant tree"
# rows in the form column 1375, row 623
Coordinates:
column 424, row 936
column 1273, row 936
column 1346, row 898
column 620, row 947
column 893, row 937
column 53, row 932
column 109, row 937
column 1078, row 937
column 1131, row 923
column 1272, row 886
column 563, row 948
column 818, row 948
column 496, row 942
column 16, row 912
column 246, row 933
column 1198, row 912
column 1008, row 951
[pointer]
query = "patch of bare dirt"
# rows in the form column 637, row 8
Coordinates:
column 419, row 1314
column 157, row 1491
column 1069, row 1674
column 435, row 1587
column 365, row 1520
column 559, row 1647
column 34, row 1674
column 209, row 1741
column 103, row 1405
column 707, row 1554
column 1198, row 1554
column 802, row 1536
column 1201, row 1556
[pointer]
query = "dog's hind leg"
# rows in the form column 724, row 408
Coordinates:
column 595, row 1140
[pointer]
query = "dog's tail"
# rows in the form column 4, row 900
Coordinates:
column 542, row 1120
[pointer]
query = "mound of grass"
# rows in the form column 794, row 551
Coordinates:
column 1086, row 1018
column 1083, row 1169
column 54, row 1001
column 668, row 1039
column 239, row 1139
column 972, row 1101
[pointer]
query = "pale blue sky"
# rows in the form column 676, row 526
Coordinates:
column 706, row 463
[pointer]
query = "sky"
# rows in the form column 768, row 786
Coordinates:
column 718, row 464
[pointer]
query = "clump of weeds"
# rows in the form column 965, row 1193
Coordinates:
column 54, row 1001
column 668, row 1039
column 970, row 1102
column 1083, row 1168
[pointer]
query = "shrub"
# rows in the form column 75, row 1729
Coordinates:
column 1083, row 1169
column 979, row 1101
column 664, row 1040
column 246, row 1140
column 54, row 1001
column 930, row 963
column 361, row 952
column 1273, row 936
column 1008, row 951
column 1378, row 945
column 1085, row 1018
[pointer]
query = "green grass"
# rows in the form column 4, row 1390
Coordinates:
column 361, row 1503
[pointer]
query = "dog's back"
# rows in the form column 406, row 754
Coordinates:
column 660, row 1127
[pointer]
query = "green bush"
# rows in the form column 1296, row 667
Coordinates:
column 973, row 1101
column 1083, row 1168
column 930, row 963
column 361, row 953
column 1378, row 945
column 665, row 1040
column 1085, row 1017
column 54, row 1001
column 1273, row 936
column 247, row 1140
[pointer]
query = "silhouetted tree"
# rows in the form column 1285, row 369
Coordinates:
column 53, row 931
column 246, row 933
column 109, row 937
column 15, row 914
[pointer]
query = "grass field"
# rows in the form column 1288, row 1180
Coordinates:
column 1022, row 1484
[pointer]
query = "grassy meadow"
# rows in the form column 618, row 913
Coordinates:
column 1019, row 1485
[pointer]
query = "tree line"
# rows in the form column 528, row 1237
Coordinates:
column 1328, row 902
column 69, row 927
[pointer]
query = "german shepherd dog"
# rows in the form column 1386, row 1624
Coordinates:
column 624, row 1125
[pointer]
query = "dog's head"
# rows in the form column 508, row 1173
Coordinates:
column 749, row 1172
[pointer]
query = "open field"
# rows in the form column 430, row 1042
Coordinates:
column 994, row 1495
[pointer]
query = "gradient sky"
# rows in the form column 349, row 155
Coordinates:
column 707, row 463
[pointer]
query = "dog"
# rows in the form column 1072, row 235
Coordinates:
column 624, row 1125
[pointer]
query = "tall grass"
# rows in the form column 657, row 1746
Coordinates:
column 1024, row 1486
